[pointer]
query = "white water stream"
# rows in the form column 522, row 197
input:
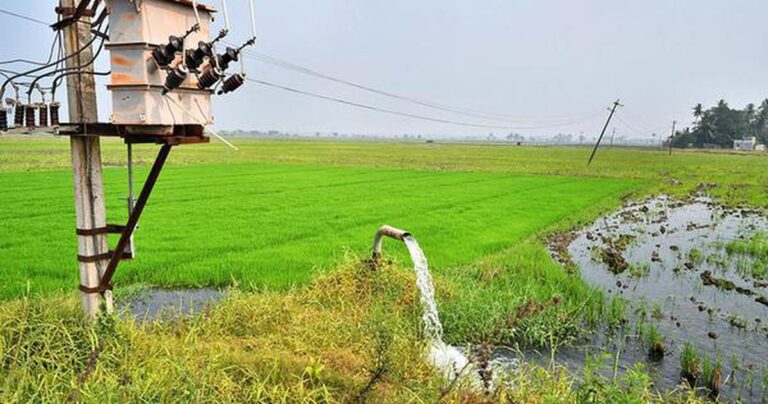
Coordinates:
column 444, row 357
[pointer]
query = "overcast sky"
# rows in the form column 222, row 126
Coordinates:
column 539, row 62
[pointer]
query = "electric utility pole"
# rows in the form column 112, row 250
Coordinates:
column 672, row 136
column 602, row 133
column 92, row 248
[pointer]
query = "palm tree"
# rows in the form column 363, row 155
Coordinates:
column 722, row 104
column 749, row 112
column 698, row 111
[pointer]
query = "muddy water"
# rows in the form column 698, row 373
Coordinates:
column 668, row 260
column 166, row 304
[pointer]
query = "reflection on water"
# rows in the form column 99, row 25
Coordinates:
column 165, row 304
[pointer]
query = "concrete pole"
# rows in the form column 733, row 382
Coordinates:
column 86, row 163
column 672, row 136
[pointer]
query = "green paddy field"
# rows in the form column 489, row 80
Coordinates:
column 286, row 222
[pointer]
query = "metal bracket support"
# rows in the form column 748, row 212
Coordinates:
column 116, row 255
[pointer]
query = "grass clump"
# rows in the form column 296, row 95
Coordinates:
column 756, row 246
column 633, row 386
column 654, row 342
column 696, row 256
column 690, row 364
column 616, row 313
column 712, row 375
column 657, row 311
column 530, row 300
column 639, row 270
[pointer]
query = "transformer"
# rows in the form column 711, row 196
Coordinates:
column 147, row 41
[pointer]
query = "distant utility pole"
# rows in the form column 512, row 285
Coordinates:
column 613, row 135
column 616, row 104
column 92, row 248
column 672, row 136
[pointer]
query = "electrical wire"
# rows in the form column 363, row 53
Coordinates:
column 57, row 80
column 26, row 73
column 32, row 62
column 6, row 73
column 395, row 112
column 23, row 17
column 429, row 104
column 78, row 68
column 632, row 127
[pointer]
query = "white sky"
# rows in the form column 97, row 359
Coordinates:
column 536, row 60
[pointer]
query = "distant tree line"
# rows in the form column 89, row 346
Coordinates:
column 720, row 125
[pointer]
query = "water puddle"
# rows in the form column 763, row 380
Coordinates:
column 167, row 304
column 695, row 277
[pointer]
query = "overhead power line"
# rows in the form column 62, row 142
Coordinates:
column 395, row 112
column 633, row 128
column 24, row 17
column 424, row 103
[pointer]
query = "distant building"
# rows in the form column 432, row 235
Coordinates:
column 760, row 148
column 748, row 144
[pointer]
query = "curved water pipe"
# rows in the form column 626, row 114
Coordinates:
column 388, row 231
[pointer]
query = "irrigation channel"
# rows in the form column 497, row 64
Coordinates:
column 693, row 275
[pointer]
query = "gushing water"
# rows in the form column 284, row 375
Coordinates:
column 433, row 329
column 444, row 357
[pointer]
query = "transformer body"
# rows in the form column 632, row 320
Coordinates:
column 137, row 28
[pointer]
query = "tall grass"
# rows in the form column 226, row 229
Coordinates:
column 317, row 343
column 350, row 336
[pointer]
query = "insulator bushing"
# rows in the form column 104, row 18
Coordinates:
column 232, row 83
column 164, row 54
column 54, row 114
column 29, row 116
column 209, row 77
column 196, row 57
column 18, row 116
column 175, row 78
column 229, row 56
column 3, row 119
column 43, row 115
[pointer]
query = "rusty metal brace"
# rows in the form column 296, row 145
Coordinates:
column 118, row 253
column 80, row 11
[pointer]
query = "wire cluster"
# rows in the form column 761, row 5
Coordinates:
column 32, row 81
